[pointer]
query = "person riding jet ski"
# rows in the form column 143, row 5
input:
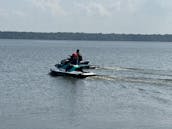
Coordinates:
column 74, row 60
column 76, row 57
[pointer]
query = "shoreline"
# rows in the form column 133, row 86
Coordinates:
column 85, row 36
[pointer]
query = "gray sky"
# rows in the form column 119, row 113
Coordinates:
column 93, row 16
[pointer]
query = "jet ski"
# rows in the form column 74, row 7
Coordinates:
column 68, row 68
column 73, row 71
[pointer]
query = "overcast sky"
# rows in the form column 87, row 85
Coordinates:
column 93, row 16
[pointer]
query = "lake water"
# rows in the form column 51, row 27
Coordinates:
column 133, row 91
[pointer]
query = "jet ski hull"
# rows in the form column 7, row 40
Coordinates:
column 75, row 74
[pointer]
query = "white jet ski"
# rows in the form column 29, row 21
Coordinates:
column 74, row 71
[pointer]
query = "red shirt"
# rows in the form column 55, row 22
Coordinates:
column 75, row 55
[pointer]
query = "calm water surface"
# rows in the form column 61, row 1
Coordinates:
column 133, row 91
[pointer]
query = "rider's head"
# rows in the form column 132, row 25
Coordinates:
column 77, row 50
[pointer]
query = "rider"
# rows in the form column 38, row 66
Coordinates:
column 76, row 57
column 74, row 60
column 79, row 56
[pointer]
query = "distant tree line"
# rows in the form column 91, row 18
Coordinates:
column 85, row 36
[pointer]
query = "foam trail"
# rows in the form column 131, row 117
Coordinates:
column 156, row 81
column 138, row 70
column 111, row 68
